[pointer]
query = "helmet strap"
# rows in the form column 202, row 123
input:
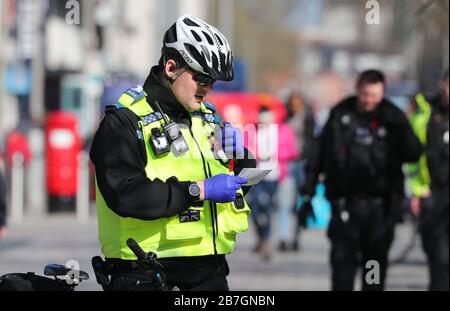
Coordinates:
column 172, row 80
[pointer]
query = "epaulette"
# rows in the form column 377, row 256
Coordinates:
column 114, row 107
column 210, row 107
column 136, row 92
column 207, row 117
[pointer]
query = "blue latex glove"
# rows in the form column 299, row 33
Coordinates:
column 222, row 188
column 231, row 141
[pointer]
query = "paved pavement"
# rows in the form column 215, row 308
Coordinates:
column 56, row 239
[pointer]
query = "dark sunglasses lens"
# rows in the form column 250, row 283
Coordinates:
column 203, row 80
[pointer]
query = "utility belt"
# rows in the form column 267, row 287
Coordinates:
column 358, row 197
column 369, row 198
column 108, row 267
column 345, row 203
column 119, row 266
column 188, row 269
column 342, row 205
column 105, row 270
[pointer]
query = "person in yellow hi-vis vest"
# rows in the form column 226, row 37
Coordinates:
column 428, row 181
column 418, row 175
column 162, row 158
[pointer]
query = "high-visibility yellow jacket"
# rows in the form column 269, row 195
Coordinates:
column 211, row 230
column 418, row 175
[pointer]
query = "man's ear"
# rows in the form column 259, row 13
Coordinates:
column 170, row 69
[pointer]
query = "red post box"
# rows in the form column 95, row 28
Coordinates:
column 63, row 144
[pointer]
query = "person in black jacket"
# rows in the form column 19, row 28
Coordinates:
column 157, row 209
column 361, row 151
column 434, row 216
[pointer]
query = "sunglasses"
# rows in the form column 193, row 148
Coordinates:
column 202, row 80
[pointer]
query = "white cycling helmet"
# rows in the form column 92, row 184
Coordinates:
column 202, row 47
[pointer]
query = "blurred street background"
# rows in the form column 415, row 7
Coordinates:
column 63, row 61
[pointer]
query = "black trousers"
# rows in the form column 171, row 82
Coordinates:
column 433, row 226
column 361, row 233
column 205, row 273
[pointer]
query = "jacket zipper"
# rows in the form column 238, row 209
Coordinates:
column 210, row 203
column 214, row 206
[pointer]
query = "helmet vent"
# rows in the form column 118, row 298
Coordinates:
column 206, row 52
column 218, row 39
column 194, row 53
column 189, row 22
column 215, row 60
column 208, row 37
column 196, row 36
column 171, row 35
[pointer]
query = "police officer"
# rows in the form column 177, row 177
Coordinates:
column 418, row 174
column 361, row 151
column 162, row 162
column 434, row 216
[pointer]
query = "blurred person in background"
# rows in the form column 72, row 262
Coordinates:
column 419, row 114
column 300, row 118
column 17, row 145
column 262, row 198
column 433, row 206
column 2, row 200
column 174, row 196
column 17, row 152
column 361, row 151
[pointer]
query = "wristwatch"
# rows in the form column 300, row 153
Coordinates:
column 194, row 191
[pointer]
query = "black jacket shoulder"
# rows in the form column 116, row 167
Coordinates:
column 345, row 106
column 119, row 155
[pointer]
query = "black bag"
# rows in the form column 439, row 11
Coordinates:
column 31, row 282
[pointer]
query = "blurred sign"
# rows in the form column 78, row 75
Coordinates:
column 18, row 79
column 29, row 21
column 243, row 108
column 61, row 139
column 63, row 45
column 80, row 94
column 304, row 14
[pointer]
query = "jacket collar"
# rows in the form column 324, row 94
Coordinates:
column 156, row 91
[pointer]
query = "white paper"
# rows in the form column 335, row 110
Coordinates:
column 254, row 175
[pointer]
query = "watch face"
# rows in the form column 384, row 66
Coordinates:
column 194, row 190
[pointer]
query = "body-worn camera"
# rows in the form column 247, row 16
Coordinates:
column 159, row 142
column 178, row 144
column 169, row 139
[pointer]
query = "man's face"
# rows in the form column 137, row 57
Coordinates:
column 188, row 92
column 296, row 104
column 370, row 96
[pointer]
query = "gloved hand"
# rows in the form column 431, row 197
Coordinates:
column 222, row 188
column 231, row 141
column 305, row 211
